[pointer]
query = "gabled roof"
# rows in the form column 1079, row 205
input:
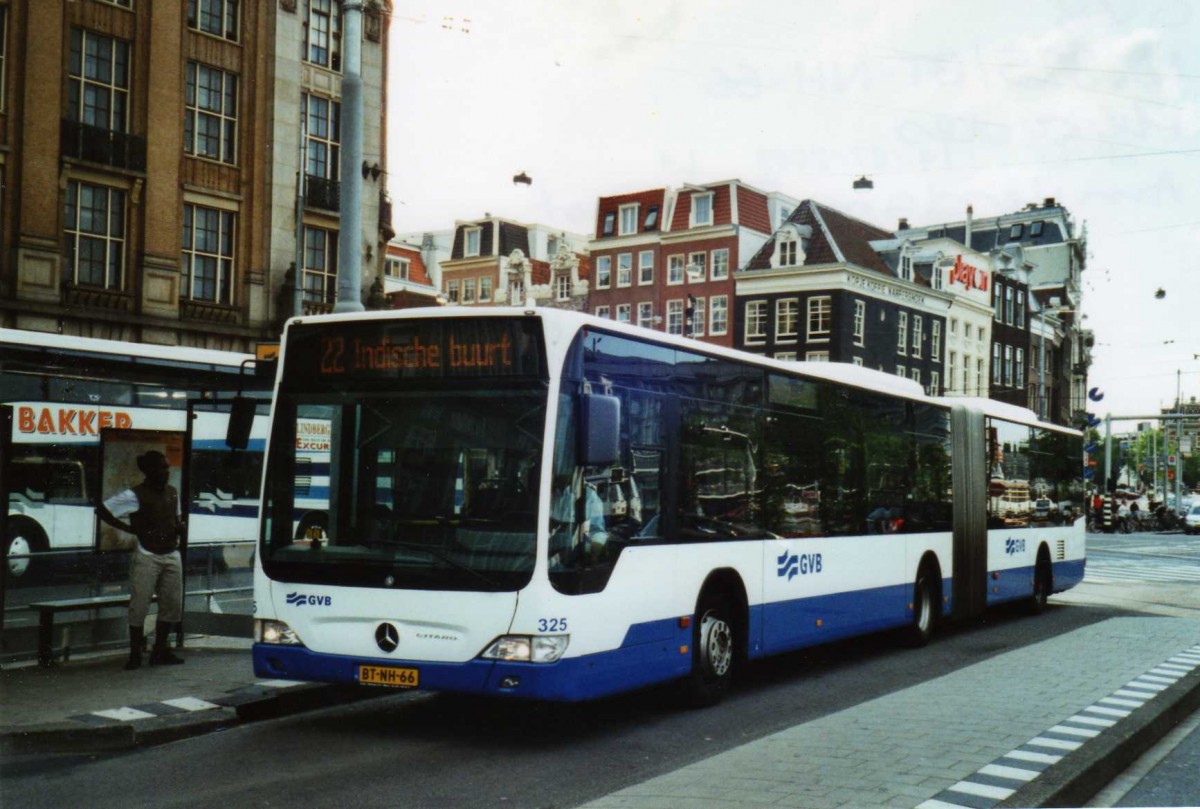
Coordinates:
column 836, row 238
column 418, row 273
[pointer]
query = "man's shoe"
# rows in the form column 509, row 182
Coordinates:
column 164, row 657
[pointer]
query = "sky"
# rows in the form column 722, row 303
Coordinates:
column 943, row 104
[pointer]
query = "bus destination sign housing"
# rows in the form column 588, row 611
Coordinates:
column 416, row 349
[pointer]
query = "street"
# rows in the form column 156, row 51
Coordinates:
column 421, row 750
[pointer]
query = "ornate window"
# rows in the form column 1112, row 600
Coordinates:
column 208, row 254
column 787, row 318
column 94, row 222
column 323, row 33
column 720, row 264
column 319, row 278
column 718, row 315
column 629, row 220
column 702, row 210
column 756, row 322
column 675, row 317
column 98, row 88
column 603, row 272
column 562, row 287
column 210, row 120
column 323, row 136
column 216, row 17
column 646, row 267
column 820, row 317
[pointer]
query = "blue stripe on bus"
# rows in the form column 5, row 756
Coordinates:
column 652, row 652
column 1017, row 582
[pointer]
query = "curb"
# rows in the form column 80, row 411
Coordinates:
column 1084, row 772
column 250, row 704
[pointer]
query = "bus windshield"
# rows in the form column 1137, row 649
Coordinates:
column 405, row 453
column 415, row 489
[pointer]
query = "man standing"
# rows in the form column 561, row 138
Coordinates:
column 154, row 518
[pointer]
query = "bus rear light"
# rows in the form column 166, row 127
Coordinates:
column 527, row 648
column 275, row 633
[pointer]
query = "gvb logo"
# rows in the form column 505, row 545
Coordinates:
column 302, row 600
column 793, row 564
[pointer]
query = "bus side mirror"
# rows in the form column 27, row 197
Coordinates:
column 241, row 419
column 600, row 430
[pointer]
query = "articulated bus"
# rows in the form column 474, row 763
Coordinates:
column 64, row 391
column 541, row 504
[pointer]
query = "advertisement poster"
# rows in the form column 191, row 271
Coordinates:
column 119, row 451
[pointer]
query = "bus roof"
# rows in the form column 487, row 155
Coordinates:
column 121, row 350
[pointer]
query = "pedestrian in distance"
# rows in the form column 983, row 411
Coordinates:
column 152, row 509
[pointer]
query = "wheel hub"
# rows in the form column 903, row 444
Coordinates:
column 716, row 645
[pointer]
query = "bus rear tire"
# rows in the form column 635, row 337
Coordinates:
column 713, row 647
column 1043, row 583
column 925, row 609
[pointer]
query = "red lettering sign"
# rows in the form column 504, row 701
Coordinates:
column 969, row 276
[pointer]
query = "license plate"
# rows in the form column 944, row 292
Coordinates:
column 390, row 676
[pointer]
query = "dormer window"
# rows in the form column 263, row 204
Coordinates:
column 551, row 246
column 1014, row 232
column 789, row 247
column 651, row 222
column 1035, row 229
column 787, row 253
column 471, row 242
column 610, row 224
column 629, row 218
column 702, row 210
column 906, row 268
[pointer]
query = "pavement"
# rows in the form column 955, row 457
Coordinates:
column 1044, row 725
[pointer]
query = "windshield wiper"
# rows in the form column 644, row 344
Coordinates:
column 442, row 557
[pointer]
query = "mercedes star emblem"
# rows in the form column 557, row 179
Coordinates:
column 387, row 637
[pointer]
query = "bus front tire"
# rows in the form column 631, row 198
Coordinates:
column 712, row 651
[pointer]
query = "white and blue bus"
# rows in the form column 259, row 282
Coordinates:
column 541, row 504
column 63, row 391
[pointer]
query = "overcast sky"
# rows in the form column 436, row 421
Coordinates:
column 943, row 104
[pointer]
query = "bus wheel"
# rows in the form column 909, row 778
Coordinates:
column 712, row 652
column 24, row 538
column 925, row 604
column 1043, row 583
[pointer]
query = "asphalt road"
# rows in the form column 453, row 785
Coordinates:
column 449, row 751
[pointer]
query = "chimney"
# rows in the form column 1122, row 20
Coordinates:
column 903, row 225
column 970, row 223
column 1049, row 203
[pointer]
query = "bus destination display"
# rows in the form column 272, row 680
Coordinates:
column 409, row 349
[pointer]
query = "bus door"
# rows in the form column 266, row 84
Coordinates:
column 970, row 511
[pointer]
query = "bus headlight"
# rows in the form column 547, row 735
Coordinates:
column 276, row 633
column 527, row 648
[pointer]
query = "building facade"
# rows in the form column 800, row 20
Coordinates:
column 1053, row 256
column 665, row 258
column 499, row 262
column 149, row 153
column 820, row 290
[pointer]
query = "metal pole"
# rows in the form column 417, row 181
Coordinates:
column 350, row 245
column 1178, row 442
column 1108, row 452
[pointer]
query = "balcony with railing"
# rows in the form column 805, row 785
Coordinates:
column 322, row 193
column 94, row 144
